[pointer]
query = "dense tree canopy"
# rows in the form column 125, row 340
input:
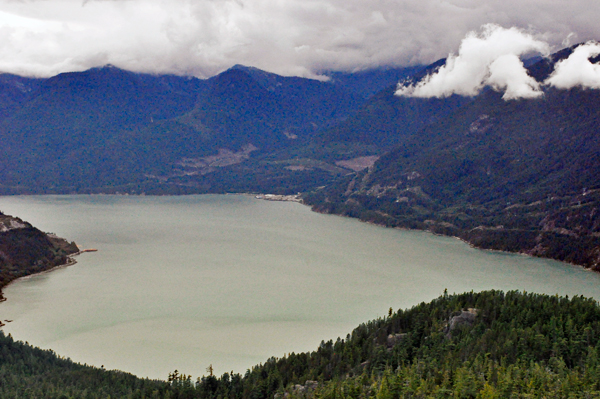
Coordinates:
column 473, row 345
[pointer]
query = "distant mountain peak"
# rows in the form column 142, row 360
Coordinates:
column 269, row 81
column 108, row 66
column 247, row 68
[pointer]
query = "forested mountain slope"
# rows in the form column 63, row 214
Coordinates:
column 64, row 135
column 518, row 175
column 368, row 82
column 14, row 91
column 107, row 130
column 489, row 345
column 387, row 120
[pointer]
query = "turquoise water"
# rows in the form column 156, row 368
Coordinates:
column 185, row 282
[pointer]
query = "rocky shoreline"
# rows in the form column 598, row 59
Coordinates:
column 277, row 197
column 472, row 244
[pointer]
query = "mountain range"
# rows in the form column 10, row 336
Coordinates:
column 106, row 129
column 518, row 175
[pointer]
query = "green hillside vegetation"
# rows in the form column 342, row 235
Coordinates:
column 106, row 130
column 387, row 120
column 473, row 345
column 29, row 372
column 14, row 91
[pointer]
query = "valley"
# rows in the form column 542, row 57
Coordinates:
column 516, row 176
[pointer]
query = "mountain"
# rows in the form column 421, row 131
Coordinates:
column 69, row 121
column 519, row 175
column 14, row 91
column 368, row 82
column 108, row 130
column 332, row 150
column 385, row 120
column 488, row 344
column 25, row 250
column 248, row 106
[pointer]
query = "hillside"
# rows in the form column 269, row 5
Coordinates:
column 14, row 91
column 489, row 345
column 519, row 175
column 25, row 250
column 387, row 120
column 59, row 138
column 109, row 130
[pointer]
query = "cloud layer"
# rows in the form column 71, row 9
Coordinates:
column 291, row 37
column 489, row 59
column 493, row 58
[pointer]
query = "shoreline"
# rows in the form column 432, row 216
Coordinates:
column 70, row 262
column 525, row 254
column 298, row 199
column 279, row 197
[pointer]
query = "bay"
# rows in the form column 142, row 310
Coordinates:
column 189, row 281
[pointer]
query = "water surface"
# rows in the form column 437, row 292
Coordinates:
column 185, row 282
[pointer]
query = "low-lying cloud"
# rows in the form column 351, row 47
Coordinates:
column 292, row 37
column 507, row 74
column 489, row 59
column 577, row 69
column 493, row 58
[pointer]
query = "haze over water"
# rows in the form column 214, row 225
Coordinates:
column 184, row 282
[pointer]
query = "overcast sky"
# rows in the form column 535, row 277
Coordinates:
column 289, row 37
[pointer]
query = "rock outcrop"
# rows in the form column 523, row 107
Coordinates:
column 466, row 318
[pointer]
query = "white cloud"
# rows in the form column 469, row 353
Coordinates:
column 291, row 37
column 577, row 69
column 491, row 58
column 507, row 73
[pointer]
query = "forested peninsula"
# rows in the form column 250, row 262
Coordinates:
column 25, row 250
column 472, row 345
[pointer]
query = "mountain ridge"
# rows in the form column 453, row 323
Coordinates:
column 98, row 130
